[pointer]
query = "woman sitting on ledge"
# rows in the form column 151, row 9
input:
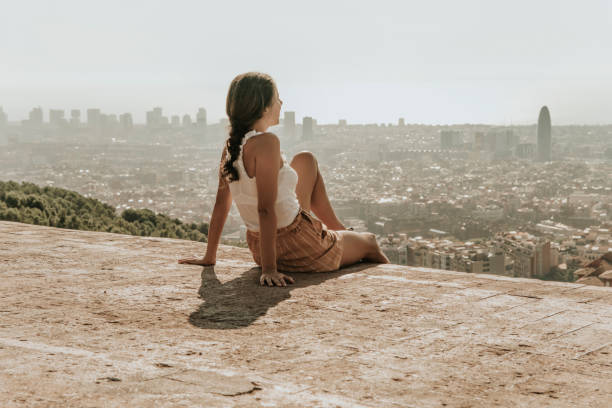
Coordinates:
column 274, row 199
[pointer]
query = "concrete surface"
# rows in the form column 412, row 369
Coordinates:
column 103, row 320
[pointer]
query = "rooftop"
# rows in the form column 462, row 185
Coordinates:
column 92, row 319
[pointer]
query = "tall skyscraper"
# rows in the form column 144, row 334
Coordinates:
column 186, row 121
column 201, row 118
column 544, row 136
column 307, row 128
column 36, row 116
column 93, row 118
column 75, row 117
column 201, row 133
column 126, row 122
column 289, row 125
column 154, row 117
column 56, row 117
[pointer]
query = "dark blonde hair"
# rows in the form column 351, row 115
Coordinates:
column 248, row 96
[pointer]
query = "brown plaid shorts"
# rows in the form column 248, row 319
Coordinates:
column 305, row 245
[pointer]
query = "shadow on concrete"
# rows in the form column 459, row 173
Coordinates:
column 241, row 301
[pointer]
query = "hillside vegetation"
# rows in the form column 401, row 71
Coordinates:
column 57, row 207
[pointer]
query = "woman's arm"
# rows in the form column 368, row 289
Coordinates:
column 267, row 162
column 223, row 204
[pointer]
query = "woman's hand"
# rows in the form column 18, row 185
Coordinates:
column 272, row 278
column 207, row 260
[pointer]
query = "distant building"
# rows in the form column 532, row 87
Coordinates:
column 125, row 121
column 56, row 117
column 289, row 125
column 490, row 141
column 187, row 121
column 201, row 125
column 453, row 255
column 93, row 118
column 36, row 116
column 175, row 121
column 108, row 123
column 450, row 139
column 544, row 135
column 307, row 128
column 112, row 119
column 342, row 122
column 154, row 118
column 201, row 121
column 75, row 117
column 530, row 256
column 525, row 150
column 401, row 122
column 508, row 140
column 501, row 141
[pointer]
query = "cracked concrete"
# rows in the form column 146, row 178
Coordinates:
column 95, row 319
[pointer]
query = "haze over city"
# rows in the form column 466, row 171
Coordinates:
column 473, row 137
column 438, row 62
column 439, row 232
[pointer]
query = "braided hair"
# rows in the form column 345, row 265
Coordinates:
column 248, row 96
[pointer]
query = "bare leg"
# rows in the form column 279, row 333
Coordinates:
column 360, row 245
column 311, row 194
column 310, row 190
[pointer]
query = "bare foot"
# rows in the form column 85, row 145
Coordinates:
column 378, row 257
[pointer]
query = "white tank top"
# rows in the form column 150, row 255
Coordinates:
column 244, row 193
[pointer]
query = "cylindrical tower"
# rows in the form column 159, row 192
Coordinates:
column 544, row 137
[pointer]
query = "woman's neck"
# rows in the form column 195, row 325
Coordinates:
column 261, row 125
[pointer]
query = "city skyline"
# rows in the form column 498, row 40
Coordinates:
column 69, row 114
column 439, row 62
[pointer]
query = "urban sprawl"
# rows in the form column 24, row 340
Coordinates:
column 529, row 201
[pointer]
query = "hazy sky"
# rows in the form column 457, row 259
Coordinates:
column 439, row 62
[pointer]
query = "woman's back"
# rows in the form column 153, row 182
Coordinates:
column 244, row 190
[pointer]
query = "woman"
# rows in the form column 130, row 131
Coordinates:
column 275, row 199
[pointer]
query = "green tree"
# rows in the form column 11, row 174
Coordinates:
column 28, row 203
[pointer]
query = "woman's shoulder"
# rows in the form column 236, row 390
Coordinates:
column 268, row 137
column 266, row 140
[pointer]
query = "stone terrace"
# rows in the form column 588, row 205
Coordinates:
column 93, row 319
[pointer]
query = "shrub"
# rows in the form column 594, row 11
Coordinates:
column 61, row 208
